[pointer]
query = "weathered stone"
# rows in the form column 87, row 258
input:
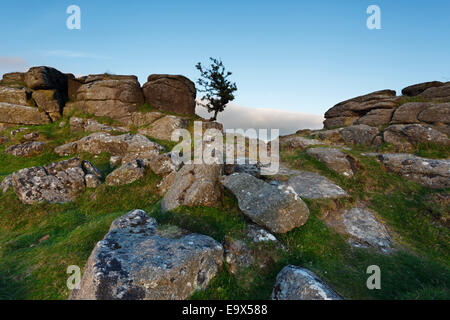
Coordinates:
column 404, row 137
column 295, row 283
column 194, row 185
column 298, row 142
column 56, row 182
column 129, row 146
column 140, row 119
column 110, row 96
column 27, row 149
column 126, row 174
column 14, row 78
column 439, row 113
column 162, row 164
column 363, row 225
column 92, row 181
column 162, row 128
column 275, row 208
column 238, row 255
column 14, row 95
column 44, row 78
column 359, row 134
column 166, row 183
column 335, row 159
column 90, row 125
column 32, row 136
column 339, row 122
column 258, row 234
column 408, row 113
column 115, row 161
column 49, row 101
column 376, row 117
column 170, row 93
column 333, row 136
column 73, row 84
column 310, row 185
column 135, row 261
column 417, row 89
column 6, row 183
column 429, row 172
column 441, row 93
column 16, row 114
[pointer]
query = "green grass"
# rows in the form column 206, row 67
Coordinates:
column 34, row 269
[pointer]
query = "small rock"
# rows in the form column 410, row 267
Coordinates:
column 335, row 159
column 126, row 174
column 363, row 225
column 295, row 283
column 92, row 181
column 115, row 161
column 26, row 149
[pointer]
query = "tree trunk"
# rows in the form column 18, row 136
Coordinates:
column 215, row 116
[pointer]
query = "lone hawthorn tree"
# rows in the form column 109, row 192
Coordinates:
column 216, row 86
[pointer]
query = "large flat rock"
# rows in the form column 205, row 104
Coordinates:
column 311, row 185
column 137, row 260
column 273, row 207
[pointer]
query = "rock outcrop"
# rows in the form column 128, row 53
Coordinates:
column 295, row 283
column 274, row 208
column 137, row 261
column 130, row 147
column 170, row 93
column 405, row 137
column 57, row 182
column 116, row 97
column 348, row 112
column 428, row 172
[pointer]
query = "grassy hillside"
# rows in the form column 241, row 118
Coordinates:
column 38, row 242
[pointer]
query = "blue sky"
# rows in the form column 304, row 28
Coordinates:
column 301, row 56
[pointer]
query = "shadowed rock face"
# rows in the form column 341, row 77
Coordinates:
column 417, row 89
column 136, row 261
column 170, row 93
column 295, row 283
column 429, row 172
column 277, row 209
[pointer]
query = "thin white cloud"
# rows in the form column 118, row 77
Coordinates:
column 10, row 64
column 287, row 122
column 72, row 54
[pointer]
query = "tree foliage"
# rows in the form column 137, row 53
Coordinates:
column 214, row 83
